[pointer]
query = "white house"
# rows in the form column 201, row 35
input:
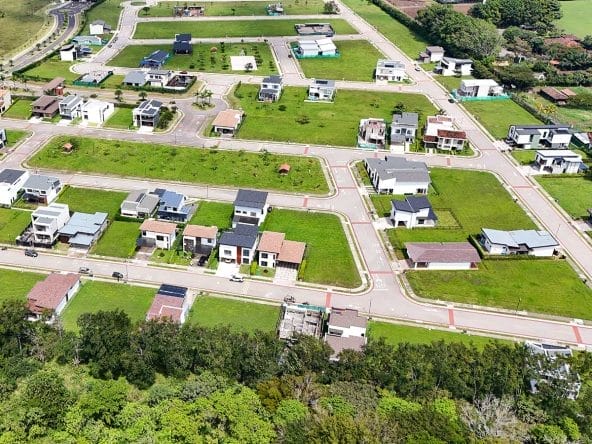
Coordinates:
column 540, row 136
column 99, row 27
column 250, row 207
column 83, row 229
column 403, row 130
column 558, row 161
column 442, row 255
column 321, row 90
column 449, row 66
column 5, row 100
column 97, row 111
column 50, row 296
column 199, row 239
column 238, row 245
column 135, row 78
column 390, row 70
column 372, row 133
column 479, row 88
column 159, row 234
column 159, row 78
column 147, row 114
column 413, row 212
column 42, row 189
column 270, row 89
column 139, row 204
column 531, row 242
column 227, row 122
column 275, row 251
column 316, row 48
column 432, row 54
column 46, row 222
column 440, row 133
column 397, row 175
column 70, row 52
column 346, row 330
column 71, row 107
column 3, row 138
column 11, row 182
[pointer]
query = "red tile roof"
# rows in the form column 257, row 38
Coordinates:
column 200, row 231
column 292, row 252
column 442, row 252
column 157, row 226
column 166, row 307
column 50, row 292
column 271, row 242
column 452, row 134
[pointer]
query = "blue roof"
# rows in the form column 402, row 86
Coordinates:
column 84, row 223
column 169, row 198
column 158, row 56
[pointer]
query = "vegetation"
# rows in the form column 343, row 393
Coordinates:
column 531, row 14
column 164, row 162
column 122, row 118
column 119, row 240
column 573, row 20
column 13, row 137
column 12, row 224
column 107, row 10
column 21, row 23
column 451, row 82
column 571, row 193
column 579, row 117
column 498, row 115
column 87, row 200
column 238, row 8
column 524, row 157
column 213, row 213
column 20, row 109
column 50, row 68
column 17, row 284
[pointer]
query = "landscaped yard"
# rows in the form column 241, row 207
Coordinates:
column 213, row 213
column 22, row 24
column 210, row 311
column 574, row 194
column 234, row 28
column 17, row 284
column 580, row 118
column 51, row 68
column 357, row 61
column 164, row 162
column 95, row 296
column 291, row 7
column 203, row 58
column 122, row 118
column 12, row 224
column 497, row 116
column 119, row 240
column 544, row 286
column 576, row 17
column 108, row 11
column 293, row 119
column 20, row 109
column 87, row 200
column 15, row 136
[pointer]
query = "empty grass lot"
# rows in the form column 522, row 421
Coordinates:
column 319, row 123
column 202, row 59
column 119, row 240
column 578, row 117
column 51, row 68
column 213, row 213
column 163, row 162
column 451, row 82
column 87, row 200
column 22, row 23
column 17, row 284
column 20, row 109
column 576, row 17
column 109, row 11
column 234, row 28
column 498, row 115
column 122, row 118
column 12, row 224
column 95, row 296
column 543, row 286
column 15, row 136
column 573, row 194
column 524, row 157
column 291, row 7
column 357, row 61
column 211, row 311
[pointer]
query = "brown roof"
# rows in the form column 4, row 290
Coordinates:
column 568, row 92
column 53, row 84
column 157, row 226
column 292, row 252
column 229, row 118
column 553, row 93
column 45, row 101
column 569, row 40
column 47, row 294
column 452, row 134
column 164, row 306
column 201, row 231
column 271, row 242
column 284, row 168
column 442, row 252
column 428, row 138
column 340, row 343
column 347, row 318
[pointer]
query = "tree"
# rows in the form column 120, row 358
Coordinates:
column 587, row 41
column 118, row 94
column 519, row 76
column 289, row 411
column 46, row 393
column 491, row 417
column 547, row 434
column 143, row 95
column 535, row 14
column 15, row 331
column 146, row 10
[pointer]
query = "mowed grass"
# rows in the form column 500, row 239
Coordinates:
column 51, row 68
column 209, row 213
column 576, row 17
column 20, row 109
column 211, row 311
column 578, row 117
column 17, row 284
column 524, row 157
column 164, row 162
column 108, row 11
column 15, row 136
column 234, row 28
column 122, row 118
column 497, row 116
column 87, row 200
column 319, row 123
column 21, row 23
column 202, row 59
column 451, row 82
column 573, row 194
column 95, row 296
column 12, row 224
column 119, row 240
column 291, row 7
column 542, row 286
column 357, row 61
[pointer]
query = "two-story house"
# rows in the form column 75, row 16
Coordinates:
column 413, row 212
column 539, row 136
column 478, row 88
column 147, row 114
column 450, row 66
column 397, row 175
column 390, row 71
column 431, row 54
column 321, row 90
column 440, row 133
column 5, row 100
column 3, row 138
column 99, row 27
column 159, row 234
column 159, row 78
column 46, row 223
column 372, row 133
column 173, row 206
column 182, row 44
column 346, row 330
column 11, row 183
column 71, row 107
column 139, row 204
column 45, row 107
column 238, row 245
column 275, row 251
column 558, row 162
column 404, row 128
column 271, row 89
column 250, row 207
column 199, row 239
column 42, row 189
column 70, row 52
column 97, row 111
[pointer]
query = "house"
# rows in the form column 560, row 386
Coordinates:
column 159, row 78
column 227, row 122
column 3, row 138
column 346, row 330
column 390, row 70
column 5, row 100
column 42, row 189
column 552, row 365
column 449, row 66
column 323, row 47
column 270, row 89
column 479, row 88
column 88, row 40
column 70, row 52
column 554, row 95
column 45, row 107
column 199, row 239
column 404, row 128
column 250, row 207
column 275, row 9
column 135, row 78
column 170, row 303
column 71, row 107
column 442, row 255
column 301, row 319
column 50, row 296
column 92, row 78
column 97, row 111
column 159, row 234
column 188, row 11
column 431, row 54
column 83, row 229
column 239, row 244
column 372, row 133
column 46, row 222
column 173, row 206
column 139, row 204
column 441, row 134
column 539, row 136
column 413, row 212
column 99, row 27
column 310, row 29
column 531, row 242
column 147, row 114
column 397, row 175
column 182, row 44
column 558, row 161
column 582, row 140
column 275, row 251
column 155, row 60
column 11, row 183
column 321, row 90
column 54, row 87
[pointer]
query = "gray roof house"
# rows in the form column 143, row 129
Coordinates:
column 135, row 78
column 83, row 229
column 71, row 107
column 271, row 89
column 250, row 207
column 397, row 175
column 139, row 204
column 11, row 182
column 321, row 90
column 412, row 212
column 147, row 113
column 42, row 189
column 531, row 242
column 404, row 128
column 239, row 244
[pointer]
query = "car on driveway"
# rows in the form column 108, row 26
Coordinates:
column 31, row 253
column 237, row 278
column 202, row 261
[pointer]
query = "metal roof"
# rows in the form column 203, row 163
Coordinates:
column 515, row 238
column 11, row 176
column 406, row 119
column 399, row 168
column 251, row 199
column 242, row 236
column 40, row 182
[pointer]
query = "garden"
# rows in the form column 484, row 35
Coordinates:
column 119, row 240
column 50, row 68
column 12, row 224
column 122, row 118
column 20, row 109
column 572, row 193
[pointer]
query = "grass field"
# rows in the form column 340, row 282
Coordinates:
column 292, row 119
column 580, row 118
column 122, row 118
column 543, row 286
column 291, row 7
column 109, row 11
column 51, row 68
column 213, row 213
column 20, row 109
column 95, row 296
column 451, row 82
column 576, row 17
column 498, row 115
column 238, row 28
column 524, row 157
column 17, row 284
column 87, row 200
column 573, row 194
column 119, row 240
column 202, row 59
column 15, row 136
column 210, row 311
column 163, row 162
column 21, row 23
column 12, row 224
column 357, row 61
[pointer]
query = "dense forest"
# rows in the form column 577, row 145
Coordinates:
column 158, row 382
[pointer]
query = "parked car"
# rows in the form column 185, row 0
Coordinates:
column 417, row 68
column 31, row 253
column 117, row 275
column 85, row 270
column 237, row 278
column 202, row 261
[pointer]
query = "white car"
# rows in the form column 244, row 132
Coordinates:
column 237, row 278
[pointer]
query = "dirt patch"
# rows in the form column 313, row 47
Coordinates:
column 412, row 7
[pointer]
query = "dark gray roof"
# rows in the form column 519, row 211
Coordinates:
column 158, row 56
column 406, row 119
column 243, row 236
column 250, row 199
column 40, row 182
column 273, row 79
column 10, row 176
column 413, row 204
column 182, row 46
column 149, row 107
column 135, row 77
column 400, row 168
column 182, row 37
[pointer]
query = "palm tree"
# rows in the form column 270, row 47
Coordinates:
column 143, row 95
column 208, row 95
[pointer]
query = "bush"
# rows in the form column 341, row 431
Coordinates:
column 253, row 268
column 301, row 269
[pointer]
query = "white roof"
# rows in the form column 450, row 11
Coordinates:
column 479, row 82
column 560, row 153
column 515, row 238
column 326, row 44
column 95, row 104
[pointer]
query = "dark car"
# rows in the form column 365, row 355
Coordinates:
column 202, row 261
column 31, row 253
column 117, row 275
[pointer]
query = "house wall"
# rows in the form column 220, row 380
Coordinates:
column 161, row 240
column 270, row 261
column 7, row 101
column 227, row 252
column 391, row 186
column 252, row 212
column 96, row 29
column 99, row 115
column 494, row 248
column 208, row 242
column 559, row 140
column 449, row 266
column 68, row 56
column 9, row 193
column 542, row 251
column 71, row 293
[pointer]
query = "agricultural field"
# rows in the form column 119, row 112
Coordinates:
column 291, row 7
column 108, row 11
column 17, row 284
column 20, row 109
column 119, row 240
column 497, row 116
column 22, row 23
column 12, row 224
column 573, row 194
column 122, row 118
column 87, row 200
column 50, row 68
column 576, row 17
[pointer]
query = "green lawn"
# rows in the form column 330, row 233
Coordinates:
column 576, row 17
column 119, row 240
column 87, row 200
column 451, row 82
column 15, row 136
column 543, row 286
column 210, row 311
column 22, row 23
column 17, row 284
column 498, row 115
column 20, row 109
column 203, row 58
column 163, row 162
column 213, row 213
column 12, row 224
column 574, row 194
column 235, row 28
column 291, row 7
column 580, row 118
column 524, row 157
column 122, row 118
column 95, row 296
column 109, row 11
column 292, row 119
column 51, row 68
column 405, row 39
column 357, row 61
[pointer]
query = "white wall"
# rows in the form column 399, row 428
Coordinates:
column 9, row 193
column 449, row 266
column 222, row 255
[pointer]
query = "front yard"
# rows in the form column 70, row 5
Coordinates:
column 497, row 116
column 12, row 224
column 579, row 118
column 20, row 109
column 572, row 193
column 122, row 118
column 15, row 136
column 87, row 200
column 119, row 240
column 17, row 284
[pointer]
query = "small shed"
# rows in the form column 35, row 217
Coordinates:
column 67, row 147
column 284, row 168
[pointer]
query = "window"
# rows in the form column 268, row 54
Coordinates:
column 227, row 252
column 246, row 252
column 159, row 237
column 263, row 255
column 253, row 214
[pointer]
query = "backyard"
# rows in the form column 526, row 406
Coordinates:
column 87, row 200
column 164, row 162
column 213, row 213
column 119, row 240
column 576, row 17
column 22, row 24
column 51, row 68
column 291, row 119
column 291, row 7
column 17, row 284
column 357, row 61
column 497, row 116
column 20, row 109
column 108, row 11
column 122, row 118
column 12, row 224
column 573, row 194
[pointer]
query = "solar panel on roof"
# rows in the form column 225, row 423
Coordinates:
column 172, row 290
